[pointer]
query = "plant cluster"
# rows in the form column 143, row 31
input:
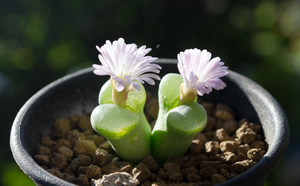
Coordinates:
column 120, row 115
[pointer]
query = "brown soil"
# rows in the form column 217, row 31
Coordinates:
column 73, row 151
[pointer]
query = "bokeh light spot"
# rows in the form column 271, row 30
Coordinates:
column 294, row 43
column 59, row 56
column 265, row 14
column 289, row 18
column 35, row 30
column 24, row 58
column 13, row 176
column 264, row 43
column 296, row 63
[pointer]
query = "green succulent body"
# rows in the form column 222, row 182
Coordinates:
column 129, row 132
column 176, row 125
column 126, row 129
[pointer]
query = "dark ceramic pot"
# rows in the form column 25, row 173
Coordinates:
column 77, row 94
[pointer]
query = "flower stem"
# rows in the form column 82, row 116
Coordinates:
column 120, row 98
column 187, row 95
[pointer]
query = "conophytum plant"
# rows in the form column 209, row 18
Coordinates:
column 120, row 117
column 180, row 117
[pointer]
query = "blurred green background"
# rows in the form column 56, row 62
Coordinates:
column 43, row 40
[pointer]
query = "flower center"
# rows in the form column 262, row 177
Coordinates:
column 188, row 94
column 123, row 72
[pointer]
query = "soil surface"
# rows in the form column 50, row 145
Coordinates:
column 74, row 152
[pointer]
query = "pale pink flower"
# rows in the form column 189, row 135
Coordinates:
column 201, row 73
column 126, row 64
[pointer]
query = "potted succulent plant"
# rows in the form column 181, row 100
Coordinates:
column 180, row 117
column 120, row 117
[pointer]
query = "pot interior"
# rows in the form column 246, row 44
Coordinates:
column 77, row 93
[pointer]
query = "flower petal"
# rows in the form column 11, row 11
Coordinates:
column 136, row 86
column 153, row 76
column 101, row 70
column 119, row 86
column 149, row 81
column 126, row 63
column 200, row 71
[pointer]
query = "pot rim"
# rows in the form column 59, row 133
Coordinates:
column 27, row 164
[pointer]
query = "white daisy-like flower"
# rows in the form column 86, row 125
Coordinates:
column 201, row 73
column 126, row 64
